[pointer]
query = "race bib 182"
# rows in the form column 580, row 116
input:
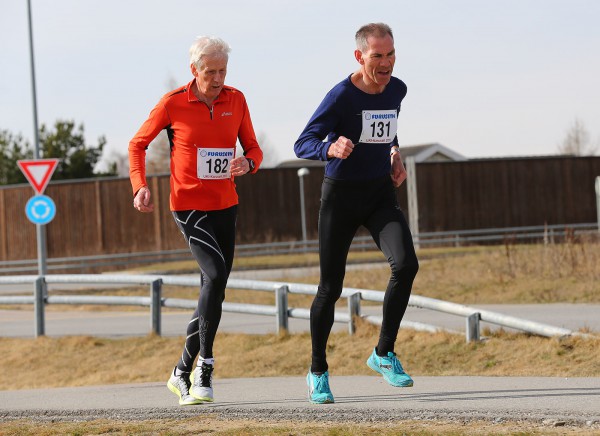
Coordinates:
column 379, row 126
column 213, row 163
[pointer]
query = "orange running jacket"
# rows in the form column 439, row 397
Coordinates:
column 190, row 125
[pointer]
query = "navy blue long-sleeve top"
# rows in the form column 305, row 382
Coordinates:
column 368, row 120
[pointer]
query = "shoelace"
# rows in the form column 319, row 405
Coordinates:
column 322, row 383
column 184, row 385
column 206, row 376
column 396, row 365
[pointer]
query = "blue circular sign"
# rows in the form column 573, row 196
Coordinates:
column 40, row 209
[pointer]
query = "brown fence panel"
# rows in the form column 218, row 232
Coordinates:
column 3, row 232
column 74, row 231
column 269, row 207
column 506, row 192
column 96, row 216
column 171, row 237
column 125, row 229
column 20, row 240
column 128, row 231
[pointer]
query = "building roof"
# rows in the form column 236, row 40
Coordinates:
column 422, row 153
column 301, row 163
column 431, row 153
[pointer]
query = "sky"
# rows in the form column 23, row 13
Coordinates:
column 485, row 78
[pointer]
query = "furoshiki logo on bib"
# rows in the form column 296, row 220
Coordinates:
column 220, row 153
column 208, row 153
column 376, row 116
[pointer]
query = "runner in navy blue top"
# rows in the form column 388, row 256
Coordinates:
column 354, row 130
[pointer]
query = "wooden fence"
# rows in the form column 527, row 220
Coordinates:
column 491, row 193
column 96, row 216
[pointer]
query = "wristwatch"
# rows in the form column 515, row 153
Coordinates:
column 394, row 149
column 251, row 164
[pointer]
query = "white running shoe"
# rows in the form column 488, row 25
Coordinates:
column 201, row 380
column 180, row 386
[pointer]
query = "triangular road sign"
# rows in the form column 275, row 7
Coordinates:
column 38, row 172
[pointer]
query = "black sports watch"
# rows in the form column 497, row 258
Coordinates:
column 251, row 164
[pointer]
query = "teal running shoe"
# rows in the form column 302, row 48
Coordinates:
column 318, row 388
column 390, row 368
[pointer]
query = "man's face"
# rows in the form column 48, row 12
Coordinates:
column 378, row 60
column 211, row 77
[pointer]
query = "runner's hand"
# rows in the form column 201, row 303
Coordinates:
column 398, row 171
column 341, row 148
column 142, row 202
column 239, row 166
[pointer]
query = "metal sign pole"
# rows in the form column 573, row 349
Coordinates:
column 301, row 173
column 598, row 200
column 40, row 229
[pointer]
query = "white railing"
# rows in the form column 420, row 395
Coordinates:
column 281, row 311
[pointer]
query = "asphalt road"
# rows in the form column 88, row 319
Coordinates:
column 544, row 400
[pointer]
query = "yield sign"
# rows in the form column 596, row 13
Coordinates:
column 38, row 172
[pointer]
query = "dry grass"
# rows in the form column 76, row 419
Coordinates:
column 281, row 355
column 509, row 274
column 204, row 424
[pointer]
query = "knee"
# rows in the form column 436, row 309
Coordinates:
column 216, row 282
column 407, row 270
column 327, row 295
column 217, row 287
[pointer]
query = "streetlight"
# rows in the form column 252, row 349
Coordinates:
column 597, row 199
column 301, row 173
column 40, row 229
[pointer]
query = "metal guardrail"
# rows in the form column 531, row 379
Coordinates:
column 455, row 238
column 280, row 310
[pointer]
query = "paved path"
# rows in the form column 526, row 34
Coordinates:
column 575, row 401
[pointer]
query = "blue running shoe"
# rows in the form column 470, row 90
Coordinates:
column 390, row 368
column 318, row 388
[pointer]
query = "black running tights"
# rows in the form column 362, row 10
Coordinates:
column 345, row 206
column 211, row 237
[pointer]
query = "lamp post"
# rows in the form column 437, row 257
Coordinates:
column 598, row 200
column 301, row 173
column 40, row 229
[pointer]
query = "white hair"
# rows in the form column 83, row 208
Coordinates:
column 207, row 46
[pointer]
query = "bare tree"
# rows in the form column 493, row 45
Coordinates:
column 158, row 155
column 577, row 141
column 269, row 152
